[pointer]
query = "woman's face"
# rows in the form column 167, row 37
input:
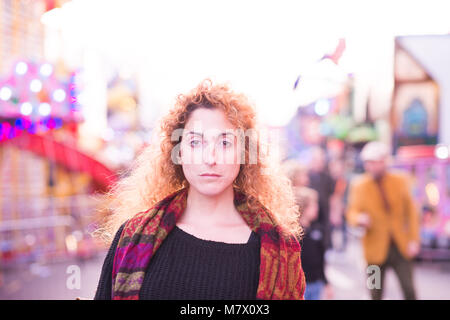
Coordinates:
column 210, row 151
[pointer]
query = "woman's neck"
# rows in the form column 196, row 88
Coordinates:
column 207, row 209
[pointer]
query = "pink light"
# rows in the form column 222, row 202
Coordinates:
column 51, row 124
column 6, row 128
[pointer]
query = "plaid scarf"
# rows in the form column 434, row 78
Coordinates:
column 281, row 275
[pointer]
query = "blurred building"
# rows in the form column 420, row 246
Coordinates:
column 21, row 31
column 420, row 121
column 46, row 179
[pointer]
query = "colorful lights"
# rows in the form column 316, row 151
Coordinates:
column 442, row 152
column 46, row 69
column 26, row 108
column 5, row 93
column 33, row 100
column 321, row 107
column 432, row 192
column 71, row 243
column 21, row 68
column 14, row 128
column 32, row 91
column 35, row 85
column 5, row 130
column 44, row 109
column 19, row 124
column 59, row 95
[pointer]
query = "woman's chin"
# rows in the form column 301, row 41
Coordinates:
column 210, row 189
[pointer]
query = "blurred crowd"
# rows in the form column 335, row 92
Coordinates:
column 378, row 202
column 320, row 187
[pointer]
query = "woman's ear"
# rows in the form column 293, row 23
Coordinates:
column 175, row 154
column 179, row 156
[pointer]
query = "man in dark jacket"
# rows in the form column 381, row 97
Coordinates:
column 323, row 183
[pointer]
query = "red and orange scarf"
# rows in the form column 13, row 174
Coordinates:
column 281, row 275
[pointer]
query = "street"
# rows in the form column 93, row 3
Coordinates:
column 345, row 272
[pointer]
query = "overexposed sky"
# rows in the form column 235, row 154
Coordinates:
column 260, row 47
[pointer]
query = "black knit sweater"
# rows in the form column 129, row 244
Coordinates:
column 186, row 267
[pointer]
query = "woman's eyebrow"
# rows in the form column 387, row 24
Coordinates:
column 198, row 133
column 220, row 134
column 227, row 133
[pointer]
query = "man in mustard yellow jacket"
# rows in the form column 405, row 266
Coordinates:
column 380, row 201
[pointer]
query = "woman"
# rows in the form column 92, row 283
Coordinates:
column 198, row 217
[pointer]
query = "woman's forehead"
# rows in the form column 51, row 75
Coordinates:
column 204, row 121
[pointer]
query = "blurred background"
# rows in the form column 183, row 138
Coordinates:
column 83, row 84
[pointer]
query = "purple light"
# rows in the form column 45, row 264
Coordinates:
column 51, row 123
column 43, row 126
column 58, row 123
column 32, row 128
column 12, row 133
column 6, row 127
column 19, row 124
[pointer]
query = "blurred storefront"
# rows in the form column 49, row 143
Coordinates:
column 420, row 125
column 326, row 114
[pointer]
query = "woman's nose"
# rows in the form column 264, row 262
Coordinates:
column 209, row 154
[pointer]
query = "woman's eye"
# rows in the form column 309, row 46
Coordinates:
column 226, row 143
column 194, row 143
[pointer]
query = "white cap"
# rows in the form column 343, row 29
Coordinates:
column 375, row 151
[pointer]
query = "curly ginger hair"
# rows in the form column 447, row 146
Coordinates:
column 154, row 175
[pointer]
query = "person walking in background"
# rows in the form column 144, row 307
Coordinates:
column 313, row 249
column 380, row 201
column 313, row 246
column 297, row 172
column 321, row 181
column 337, row 204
